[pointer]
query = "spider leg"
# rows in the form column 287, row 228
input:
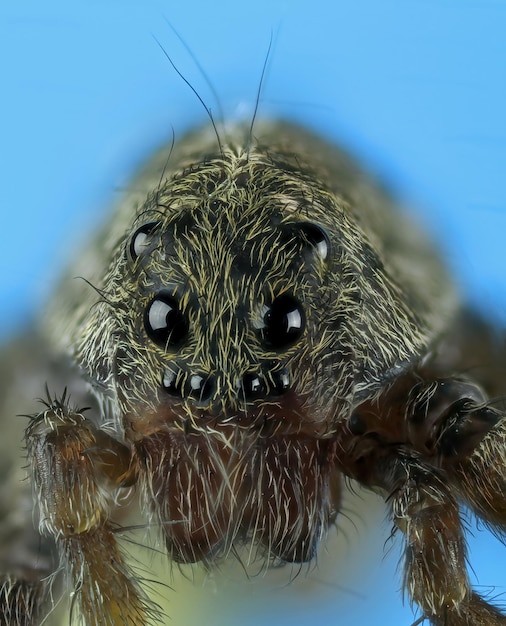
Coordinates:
column 474, row 454
column 471, row 450
column 27, row 560
column 75, row 468
column 430, row 443
column 435, row 573
column 22, row 596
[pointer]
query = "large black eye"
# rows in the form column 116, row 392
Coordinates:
column 164, row 321
column 140, row 239
column 284, row 321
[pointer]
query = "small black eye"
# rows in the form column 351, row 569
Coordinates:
column 284, row 321
column 281, row 380
column 201, row 387
column 252, row 386
column 317, row 238
column 140, row 239
column 170, row 383
column 164, row 321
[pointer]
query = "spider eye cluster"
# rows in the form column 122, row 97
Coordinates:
column 279, row 325
column 167, row 325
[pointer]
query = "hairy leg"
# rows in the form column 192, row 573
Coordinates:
column 75, row 469
column 435, row 573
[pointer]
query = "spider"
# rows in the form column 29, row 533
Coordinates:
column 260, row 323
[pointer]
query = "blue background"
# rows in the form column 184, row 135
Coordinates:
column 417, row 88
